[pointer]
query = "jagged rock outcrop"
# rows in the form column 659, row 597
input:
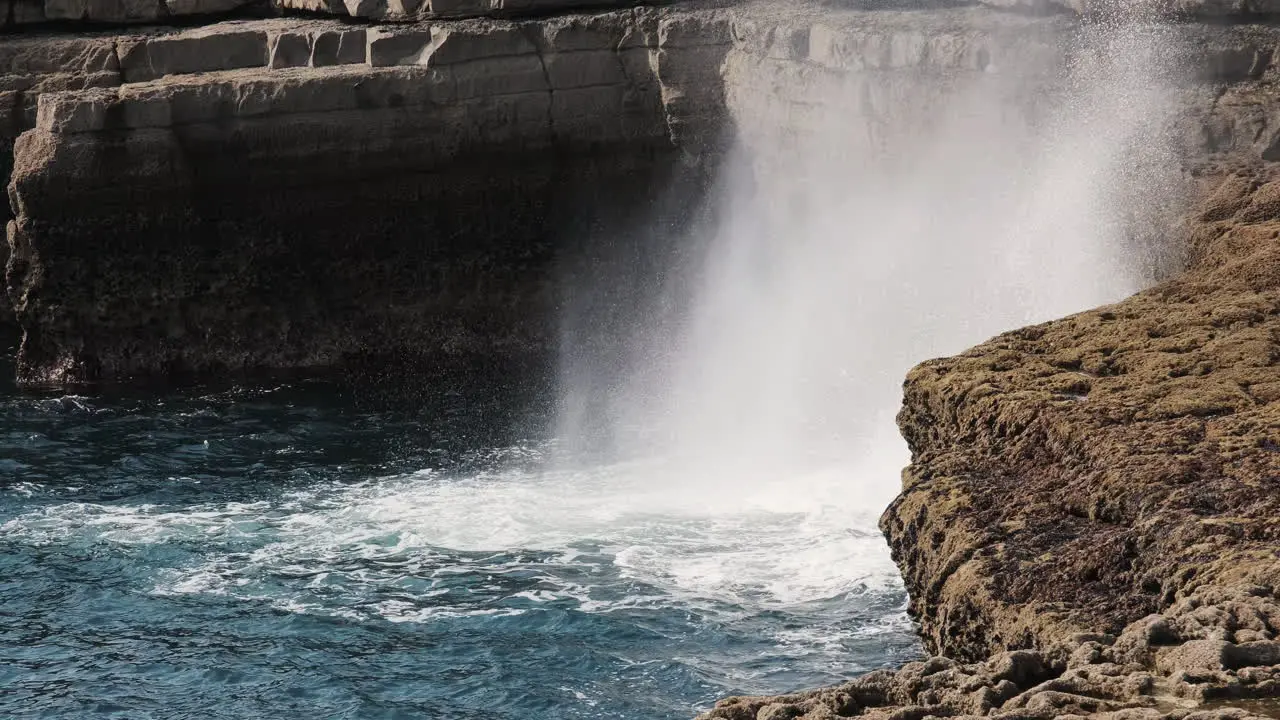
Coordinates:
column 1101, row 491
column 1133, row 444
column 1089, row 526
column 1177, row 665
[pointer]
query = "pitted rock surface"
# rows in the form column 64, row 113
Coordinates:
column 1077, row 475
column 1090, row 525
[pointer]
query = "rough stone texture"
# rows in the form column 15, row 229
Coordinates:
column 221, row 47
column 30, row 67
column 1133, row 439
column 412, row 10
column 218, row 182
column 1090, row 524
column 27, row 12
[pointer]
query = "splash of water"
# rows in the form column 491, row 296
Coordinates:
column 871, row 219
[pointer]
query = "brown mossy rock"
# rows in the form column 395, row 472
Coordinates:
column 1090, row 525
column 1075, row 476
column 1170, row 666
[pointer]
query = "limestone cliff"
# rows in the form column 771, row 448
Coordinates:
column 282, row 194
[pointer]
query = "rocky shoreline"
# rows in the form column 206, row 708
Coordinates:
column 1090, row 525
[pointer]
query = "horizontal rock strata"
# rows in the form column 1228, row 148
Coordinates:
column 283, row 194
column 22, row 14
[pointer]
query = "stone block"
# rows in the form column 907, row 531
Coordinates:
column 584, row 69
column 499, row 76
column 387, row 48
column 202, row 7
column 219, row 47
column 67, row 113
column 338, row 47
column 214, row 99
column 606, row 31
column 450, row 45
column 288, row 49
column 58, row 55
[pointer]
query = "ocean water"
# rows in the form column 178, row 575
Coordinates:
column 290, row 550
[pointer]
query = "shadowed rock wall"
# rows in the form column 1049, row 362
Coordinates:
column 276, row 194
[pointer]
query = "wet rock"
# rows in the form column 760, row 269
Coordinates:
column 226, row 47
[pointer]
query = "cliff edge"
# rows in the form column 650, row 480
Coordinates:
column 1090, row 523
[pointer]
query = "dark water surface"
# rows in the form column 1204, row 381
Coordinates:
column 285, row 551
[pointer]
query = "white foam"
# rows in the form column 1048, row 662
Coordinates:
column 771, row 547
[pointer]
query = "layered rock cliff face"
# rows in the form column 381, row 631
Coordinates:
column 1089, row 524
column 296, row 194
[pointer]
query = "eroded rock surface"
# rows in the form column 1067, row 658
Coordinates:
column 1090, row 525
column 1162, row 667
column 1091, row 522
column 391, row 189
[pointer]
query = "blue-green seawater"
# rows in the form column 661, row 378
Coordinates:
column 291, row 552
